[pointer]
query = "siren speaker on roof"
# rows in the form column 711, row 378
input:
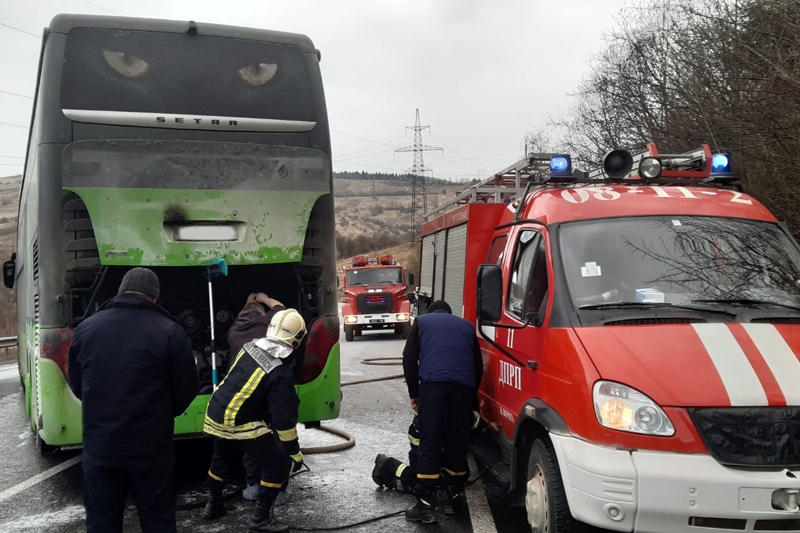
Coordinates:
column 617, row 164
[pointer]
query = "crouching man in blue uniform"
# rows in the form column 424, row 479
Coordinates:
column 260, row 381
column 443, row 366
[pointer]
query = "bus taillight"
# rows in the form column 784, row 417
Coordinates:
column 54, row 345
column 322, row 336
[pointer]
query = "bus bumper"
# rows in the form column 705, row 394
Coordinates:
column 624, row 490
column 62, row 414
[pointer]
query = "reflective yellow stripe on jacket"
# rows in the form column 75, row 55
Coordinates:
column 240, row 397
column 287, row 435
column 251, row 430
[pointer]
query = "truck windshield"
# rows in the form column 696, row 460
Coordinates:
column 679, row 259
column 375, row 276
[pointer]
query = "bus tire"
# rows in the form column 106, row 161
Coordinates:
column 545, row 500
column 348, row 333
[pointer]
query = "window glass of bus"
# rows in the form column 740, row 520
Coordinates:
column 178, row 73
column 524, row 257
column 678, row 259
column 497, row 249
column 375, row 276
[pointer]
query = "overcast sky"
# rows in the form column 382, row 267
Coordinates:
column 481, row 72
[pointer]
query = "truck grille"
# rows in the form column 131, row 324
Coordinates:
column 375, row 302
column 751, row 436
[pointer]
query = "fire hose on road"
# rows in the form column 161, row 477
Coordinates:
column 350, row 440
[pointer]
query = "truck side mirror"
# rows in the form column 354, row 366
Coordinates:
column 10, row 271
column 411, row 278
column 490, row 293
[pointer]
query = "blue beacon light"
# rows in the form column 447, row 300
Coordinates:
column 721, row 164
column 561, row 165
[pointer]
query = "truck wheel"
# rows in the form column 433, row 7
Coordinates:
column 348, row 333
column 357, row 332
column 545, row 500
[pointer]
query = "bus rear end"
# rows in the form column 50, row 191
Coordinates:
column 169, row 146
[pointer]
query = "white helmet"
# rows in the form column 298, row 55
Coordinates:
column 286, row 329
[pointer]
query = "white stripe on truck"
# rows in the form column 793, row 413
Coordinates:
column 780, row 358
column 737, row 374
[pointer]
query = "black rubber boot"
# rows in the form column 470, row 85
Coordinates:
column 378, row 470
column 455, row 500
column 214, row 508
column 422, row 512
column 262, row 522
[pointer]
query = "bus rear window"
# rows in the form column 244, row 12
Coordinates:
column 152, row 72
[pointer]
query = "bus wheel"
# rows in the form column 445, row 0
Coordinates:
column 545, row 500
column 348, row 333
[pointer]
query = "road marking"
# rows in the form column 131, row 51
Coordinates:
column 38, row 478
column 479, row 512
column 8, row 372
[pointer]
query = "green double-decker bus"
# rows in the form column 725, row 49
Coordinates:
column 171, row 144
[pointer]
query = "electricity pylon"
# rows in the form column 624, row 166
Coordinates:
column 419, row 195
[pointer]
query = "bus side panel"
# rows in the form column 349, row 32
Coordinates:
column 62, row 420
column 320, row 398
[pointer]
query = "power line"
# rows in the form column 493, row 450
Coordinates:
column 12, row 157
column 101, row 7
column 19, row 30
column 14, row 125
column 370, row 148
column 365, row 113
column 362, row 138
column 17, row 94
column 16, row 65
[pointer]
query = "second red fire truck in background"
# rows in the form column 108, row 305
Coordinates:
column 640, row 330
column 376, row 297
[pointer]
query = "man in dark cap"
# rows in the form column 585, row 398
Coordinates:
column 443, row 366
column 132, row 367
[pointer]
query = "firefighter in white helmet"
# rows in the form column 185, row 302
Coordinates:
column 260, row 381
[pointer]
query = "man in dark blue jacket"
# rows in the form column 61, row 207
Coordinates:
column 132, row 367
column 443, row 367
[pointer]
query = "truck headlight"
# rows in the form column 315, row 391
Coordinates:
column 350, row 319
column 621, row 407
column 402, row 317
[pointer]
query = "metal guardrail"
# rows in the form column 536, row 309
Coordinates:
column 6, row 343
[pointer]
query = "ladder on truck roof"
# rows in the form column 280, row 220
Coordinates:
column 502, row 187
column 696, row 167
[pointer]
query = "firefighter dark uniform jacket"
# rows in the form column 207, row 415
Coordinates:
column 132, row 366
column 442, row 347
column 255, row 398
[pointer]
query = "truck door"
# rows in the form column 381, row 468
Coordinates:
column 527, row 294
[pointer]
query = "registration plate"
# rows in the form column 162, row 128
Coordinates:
column 377, row 320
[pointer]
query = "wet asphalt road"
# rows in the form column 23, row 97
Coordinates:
column 338, row 490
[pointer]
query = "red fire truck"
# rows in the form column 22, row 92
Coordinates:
column 376, row 297
column 640, row 329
